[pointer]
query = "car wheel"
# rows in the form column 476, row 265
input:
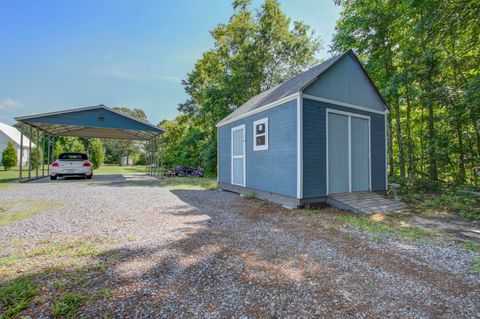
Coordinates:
column 53, row 178
column 89, row 176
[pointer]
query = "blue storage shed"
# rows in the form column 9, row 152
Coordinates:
column 319, row 133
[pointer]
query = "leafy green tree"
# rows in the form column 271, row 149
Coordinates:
column 116, row 148
column 96, row 152
column 69, row 144
column 253, row 52
column 9, row 156
column 424, row 56
column 33, row 157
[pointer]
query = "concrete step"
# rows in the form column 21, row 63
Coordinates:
column 365, row 203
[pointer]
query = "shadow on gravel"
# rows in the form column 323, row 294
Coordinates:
column 246, row 260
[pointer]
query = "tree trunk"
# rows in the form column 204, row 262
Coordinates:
column 411, row 166
column 431, row 144
column 390, row 146
column 461, row 155
column 399, row 137
column 471, row 109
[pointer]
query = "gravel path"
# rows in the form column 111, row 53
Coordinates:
column 211, row 254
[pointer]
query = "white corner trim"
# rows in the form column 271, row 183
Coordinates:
column 256, row 147
column 386, row 153
column 335, row 102
column 299, row 146
column 261, row 109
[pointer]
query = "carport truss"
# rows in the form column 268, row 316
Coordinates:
column 95, row 121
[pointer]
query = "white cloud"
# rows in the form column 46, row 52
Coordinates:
column 8, row 103
column 143, row 77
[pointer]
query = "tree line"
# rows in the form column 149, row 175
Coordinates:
column 424, row 56
column 252, row 52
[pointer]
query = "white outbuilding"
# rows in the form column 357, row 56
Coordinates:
column 9, row 133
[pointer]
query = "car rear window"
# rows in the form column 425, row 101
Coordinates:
column 73, row 156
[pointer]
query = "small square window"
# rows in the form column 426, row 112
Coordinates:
column 260, row 128
column 260, row 135
column 260, row 140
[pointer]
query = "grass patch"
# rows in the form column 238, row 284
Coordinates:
column 12, row 211
column 381, row 224
column 200, row 183
column 476, row 265
column 63, row 270
column 439, row 201
column 311, row 212
column 103, row 293
column 15, row 296
column 249, row 195
column 473, row 246
column 46, row 255
column 180, row 183
column 69, row 305
column 13, row 174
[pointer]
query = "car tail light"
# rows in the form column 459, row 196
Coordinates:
column 55, row 164
column 87, row 164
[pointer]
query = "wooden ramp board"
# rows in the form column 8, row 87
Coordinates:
column 365, row 203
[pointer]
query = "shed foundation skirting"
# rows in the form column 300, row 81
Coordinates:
column 285, row 201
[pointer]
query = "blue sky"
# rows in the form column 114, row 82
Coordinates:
column 63, row 54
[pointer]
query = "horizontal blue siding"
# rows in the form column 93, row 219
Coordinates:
column 273, row 170
column 346, row 82
column 314, row 147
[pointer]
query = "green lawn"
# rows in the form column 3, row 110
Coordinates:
column 12, row 174
column 176, row 183
column 14, row 210
column 116, row 169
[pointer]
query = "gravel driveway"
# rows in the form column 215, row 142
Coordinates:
column 210, row 254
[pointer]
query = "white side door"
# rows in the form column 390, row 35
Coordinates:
column 238, row 171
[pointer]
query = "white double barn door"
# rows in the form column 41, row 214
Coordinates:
column 348, row 152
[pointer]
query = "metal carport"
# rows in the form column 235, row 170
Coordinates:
column 95, row 121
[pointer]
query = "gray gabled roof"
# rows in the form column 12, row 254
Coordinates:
column 291, row 86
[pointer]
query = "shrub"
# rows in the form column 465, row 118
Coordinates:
column 140, row 159
column 96, row 152
column 9, row 156
column 33, row 157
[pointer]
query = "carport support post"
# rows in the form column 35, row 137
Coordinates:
column 153, row 157
column 43, row 154
column 156, row 156
column 146, row 156
column 161, row 156
column 149, row 154
column 53, row 148
column 21, row 152
column 49, row 144
column 30, row 154
column 152, row 170
column 36, row 153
